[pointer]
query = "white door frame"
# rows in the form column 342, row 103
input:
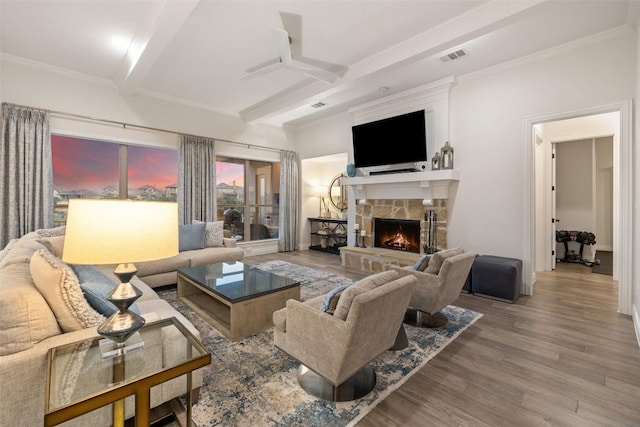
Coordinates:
column 622, row 198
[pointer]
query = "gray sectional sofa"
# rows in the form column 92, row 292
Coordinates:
column 30, row 324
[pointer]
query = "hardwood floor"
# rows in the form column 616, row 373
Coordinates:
column 560, row 357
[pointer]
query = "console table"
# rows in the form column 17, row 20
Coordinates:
column 328, row 234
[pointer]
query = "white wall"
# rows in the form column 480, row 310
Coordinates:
column 487, row 125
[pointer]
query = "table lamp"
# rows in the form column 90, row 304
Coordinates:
column 120, row 232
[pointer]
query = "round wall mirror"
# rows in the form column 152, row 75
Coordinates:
column 338, row 193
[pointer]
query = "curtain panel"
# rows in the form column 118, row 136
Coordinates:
column 289, row 185
column 197, row 179
column 26, row 177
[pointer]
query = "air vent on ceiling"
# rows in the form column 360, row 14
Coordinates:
column 456, row 54
column 318, row 105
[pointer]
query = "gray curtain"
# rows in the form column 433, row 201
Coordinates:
column 289, row 183
column 197, row 179
column 26, row 177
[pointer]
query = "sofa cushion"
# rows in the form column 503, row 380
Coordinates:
column 60, row 287
column 213, row 233
column 422, row 262
column 438, row 258
column 360, row 287
column 212, row 255
column 25, row 316
column 147, row 268
column 21, row 252
column 191, row 236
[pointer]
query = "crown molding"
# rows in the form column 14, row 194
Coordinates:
column 5, row 57
column 548, row 53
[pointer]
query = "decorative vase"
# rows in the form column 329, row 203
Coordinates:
column 351, row 170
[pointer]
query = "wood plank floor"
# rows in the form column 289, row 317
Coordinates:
column 560, row 357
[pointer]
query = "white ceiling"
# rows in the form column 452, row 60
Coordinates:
column 195, row 52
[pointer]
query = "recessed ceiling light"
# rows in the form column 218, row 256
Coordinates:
column 383, row 89
column 318, row 105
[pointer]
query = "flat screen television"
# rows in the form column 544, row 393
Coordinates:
column 400, row 141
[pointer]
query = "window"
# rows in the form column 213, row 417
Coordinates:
column 247, row 197
column 94, row 169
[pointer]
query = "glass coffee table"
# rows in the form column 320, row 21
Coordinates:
column 80, row 379
column 235, row 298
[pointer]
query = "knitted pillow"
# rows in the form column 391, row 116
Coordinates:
column 59, row 285
column 213, row 233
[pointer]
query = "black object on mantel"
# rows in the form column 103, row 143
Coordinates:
column 384, row 172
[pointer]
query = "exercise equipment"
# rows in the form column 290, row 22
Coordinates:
column 584, row 238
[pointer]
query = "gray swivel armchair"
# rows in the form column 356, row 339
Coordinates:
column 335, row 350
column 437, row 286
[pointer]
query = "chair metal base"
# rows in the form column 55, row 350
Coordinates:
column 426, row 320
column 357, row 386
column 401, row 339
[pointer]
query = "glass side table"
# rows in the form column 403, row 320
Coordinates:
column 80, row 380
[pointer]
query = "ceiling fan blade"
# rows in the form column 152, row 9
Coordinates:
column 315, row 72
column 292, row 23
column 281, row 38
column 264, row 68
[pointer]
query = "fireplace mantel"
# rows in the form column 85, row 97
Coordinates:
column 426, row 185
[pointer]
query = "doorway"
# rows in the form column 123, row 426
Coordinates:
column 538, row 183
column 582, row 184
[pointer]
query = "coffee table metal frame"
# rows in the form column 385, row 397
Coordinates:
column 234, row 318
column 123, row 386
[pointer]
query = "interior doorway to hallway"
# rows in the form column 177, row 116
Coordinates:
column 537, row 199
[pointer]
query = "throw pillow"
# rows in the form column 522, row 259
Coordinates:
column 362, row 286
column 191, row 236
column 422, row 262
column 52, row 232
column 96, row 286
column 59, row 286
column 54, row 244
column 213, row 233
column 438, row 258
column 331, row 299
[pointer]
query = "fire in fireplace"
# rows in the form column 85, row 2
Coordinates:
column 397, row 234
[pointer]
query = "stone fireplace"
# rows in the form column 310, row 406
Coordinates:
column 373, row 258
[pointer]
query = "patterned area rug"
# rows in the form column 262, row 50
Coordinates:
column 250, row 382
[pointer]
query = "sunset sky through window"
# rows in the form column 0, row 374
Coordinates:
column 80, row 163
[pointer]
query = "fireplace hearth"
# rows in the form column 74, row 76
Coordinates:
column 397, row 234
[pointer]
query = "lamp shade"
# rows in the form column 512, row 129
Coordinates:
column 120, row 231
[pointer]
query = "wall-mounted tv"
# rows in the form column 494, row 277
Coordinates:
column 392, row 141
